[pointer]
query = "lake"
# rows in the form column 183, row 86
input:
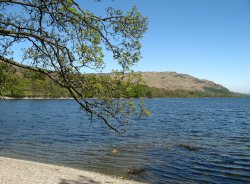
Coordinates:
column 184, row 140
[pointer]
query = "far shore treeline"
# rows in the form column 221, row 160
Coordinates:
column 16, row 82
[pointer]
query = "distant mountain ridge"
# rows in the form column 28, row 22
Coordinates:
column 177, row 81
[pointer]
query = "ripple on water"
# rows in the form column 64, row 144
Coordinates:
column 184, row 141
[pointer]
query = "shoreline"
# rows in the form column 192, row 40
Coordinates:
column 34, row 98
column 15, row 171
column 70, row 98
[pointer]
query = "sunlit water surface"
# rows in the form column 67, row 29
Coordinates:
column 184, row 141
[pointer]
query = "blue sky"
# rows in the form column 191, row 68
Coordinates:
column 209, row 39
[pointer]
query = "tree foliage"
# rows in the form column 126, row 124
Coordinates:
column 61, row 40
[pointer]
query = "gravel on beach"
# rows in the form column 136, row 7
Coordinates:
column 13, row 171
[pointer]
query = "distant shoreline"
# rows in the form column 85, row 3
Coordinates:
column 35, row 98
column 70, row 98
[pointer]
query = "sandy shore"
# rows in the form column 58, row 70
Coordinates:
column 13, row 171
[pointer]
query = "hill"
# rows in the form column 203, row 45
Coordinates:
column 172, row 84
column 16, row 82
column 176, row 81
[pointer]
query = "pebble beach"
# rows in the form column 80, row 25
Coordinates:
column 14, row 171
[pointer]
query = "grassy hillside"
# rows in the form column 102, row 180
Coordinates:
column 176, row 81
column 15, row 82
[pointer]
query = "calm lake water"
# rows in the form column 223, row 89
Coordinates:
column 184, row 141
